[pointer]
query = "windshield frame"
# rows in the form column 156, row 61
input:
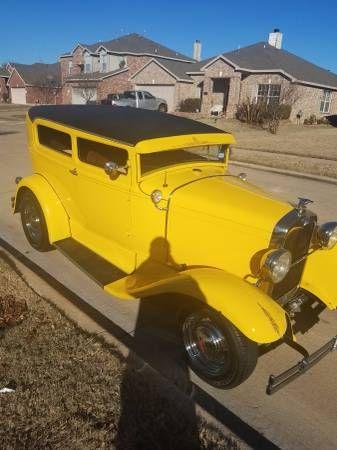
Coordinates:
column 216, row 163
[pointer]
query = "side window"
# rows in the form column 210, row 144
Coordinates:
column 54, row 139
column 97, row 154
column 148, row 96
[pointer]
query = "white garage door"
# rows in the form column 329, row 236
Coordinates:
column 18, row 96
column 164, row 91
column 81, row 96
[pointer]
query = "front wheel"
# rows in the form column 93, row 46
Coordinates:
column 162, row 108
column 217, row 351
column 33, row 222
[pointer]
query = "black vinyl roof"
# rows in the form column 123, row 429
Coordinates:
column 126, row 124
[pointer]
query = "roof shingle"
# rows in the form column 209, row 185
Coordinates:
column 262, row 56
column 4, row 72
column 39, row 74
column 135, row 43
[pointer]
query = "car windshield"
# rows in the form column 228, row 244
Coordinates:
column 129, row 94
column 167, row 158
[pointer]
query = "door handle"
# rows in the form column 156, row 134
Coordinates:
column 73, row 171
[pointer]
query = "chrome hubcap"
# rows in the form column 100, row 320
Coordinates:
column 32, row 221
column 206, row 345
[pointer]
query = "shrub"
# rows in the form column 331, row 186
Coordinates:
column 263, row 115
column 311, row 120
column 285, row 111
column 323, row 121
column 190, row 105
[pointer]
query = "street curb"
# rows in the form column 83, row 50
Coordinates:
column 291, row 173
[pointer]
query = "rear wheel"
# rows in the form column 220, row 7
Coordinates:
column 217, row 351
column 162, row 107
column 33, row 222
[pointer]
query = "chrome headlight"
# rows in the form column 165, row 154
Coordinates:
column 275, row 265
column 327, row 235
column 156, row 196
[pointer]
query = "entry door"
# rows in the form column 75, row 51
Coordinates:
column 103, row 203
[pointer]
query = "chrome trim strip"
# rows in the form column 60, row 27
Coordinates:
column 295, row 218
column 287, row 222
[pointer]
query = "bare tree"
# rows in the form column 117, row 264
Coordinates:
column 289, row 94
column 88, row 89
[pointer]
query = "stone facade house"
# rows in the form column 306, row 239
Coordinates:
column 4, row 94
column 34, row 83
column 264, row 72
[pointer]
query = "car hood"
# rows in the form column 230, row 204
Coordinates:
column 215, row 194
column 230, row 198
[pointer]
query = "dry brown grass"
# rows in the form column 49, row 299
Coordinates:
column 308, row 149
column 74, row 391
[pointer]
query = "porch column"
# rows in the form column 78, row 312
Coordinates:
column 207, row 96
column 233, row 95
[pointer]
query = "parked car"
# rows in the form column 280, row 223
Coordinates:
column 151, row 195
column 138, row 99
column 111, row 98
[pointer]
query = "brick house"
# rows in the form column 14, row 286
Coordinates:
column 91, row 72
column 259, row 71
column 4, row 94
column 34, row 83
column 266, row 71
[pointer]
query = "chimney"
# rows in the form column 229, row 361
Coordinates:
column 197, row 50
column 275, row 38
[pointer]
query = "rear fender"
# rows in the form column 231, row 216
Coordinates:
column 255, row 314
column 55, row 215
column 320, row 276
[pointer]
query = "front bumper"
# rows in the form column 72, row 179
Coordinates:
column 277, row 382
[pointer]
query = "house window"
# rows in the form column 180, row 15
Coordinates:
column 103, row 58
column 325, row 102
column 54, row 139
column 70, row 66
column 269, row 93
column 87, row 63
column 219, row 85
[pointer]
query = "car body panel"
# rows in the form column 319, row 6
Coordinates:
column 320, row 276
column 255, row 314
column 57, row 220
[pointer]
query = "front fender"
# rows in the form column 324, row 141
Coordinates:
column 319, row 276
column 55, row 215
column 255, row 314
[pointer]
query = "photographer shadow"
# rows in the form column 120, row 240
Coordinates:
column 157, row 337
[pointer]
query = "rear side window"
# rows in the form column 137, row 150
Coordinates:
column 54, row 139
column 98, row 154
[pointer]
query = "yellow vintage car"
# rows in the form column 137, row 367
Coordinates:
column 148, row 196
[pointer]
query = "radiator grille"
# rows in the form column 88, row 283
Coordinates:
column 297, row 241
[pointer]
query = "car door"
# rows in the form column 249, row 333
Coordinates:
column 54, row 159
column 149, row 101
column 103, row 202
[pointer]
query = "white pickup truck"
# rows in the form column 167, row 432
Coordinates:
column 138, row 99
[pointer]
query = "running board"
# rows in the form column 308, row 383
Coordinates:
column 96, row 267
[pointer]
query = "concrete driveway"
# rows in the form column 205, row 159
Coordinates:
column 301, row 416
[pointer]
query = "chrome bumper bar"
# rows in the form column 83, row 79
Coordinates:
column 277, row 382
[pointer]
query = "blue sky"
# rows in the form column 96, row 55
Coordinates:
column 39, row 31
